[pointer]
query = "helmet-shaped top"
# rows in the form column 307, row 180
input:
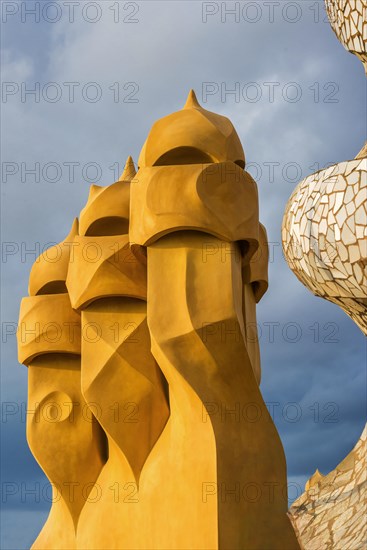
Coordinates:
column 192, row 136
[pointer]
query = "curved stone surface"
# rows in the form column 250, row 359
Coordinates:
column 102, row 267
column 202, row 339
column 220, row 199
column 107, row 209
column 121, row 375
column 256, row 271
column 255, row 284
column 324, row 236
column 68, row 444
column 172, row 141
column 47, row 324
column 48, row 273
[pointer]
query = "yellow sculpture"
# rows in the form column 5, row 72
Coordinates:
column 66, row 441
column 165, row 272
column 120, row 378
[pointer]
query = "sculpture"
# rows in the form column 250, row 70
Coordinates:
column 68, row 444
column 324, row 231
column 167, row 267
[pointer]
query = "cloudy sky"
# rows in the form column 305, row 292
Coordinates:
column 102, row 73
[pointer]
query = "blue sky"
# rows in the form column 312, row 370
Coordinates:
column 102, row 76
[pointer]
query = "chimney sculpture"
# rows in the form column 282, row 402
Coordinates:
column 64, row 437
column 167, row 268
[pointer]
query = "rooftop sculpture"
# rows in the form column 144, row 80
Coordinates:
column 157, row 417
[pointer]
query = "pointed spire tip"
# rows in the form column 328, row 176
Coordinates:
column 192, row 101
column 129, row 170
column 73, row 231
column 75, row 226
column 93, row 191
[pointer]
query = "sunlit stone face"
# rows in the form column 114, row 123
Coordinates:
column 64, row 437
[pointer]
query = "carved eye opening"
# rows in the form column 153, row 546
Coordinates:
column 189, row 155
column 108, row 226
column 53, row 287
column 184, row 155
